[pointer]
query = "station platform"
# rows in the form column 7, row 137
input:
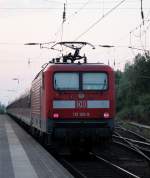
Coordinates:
column 22, row 157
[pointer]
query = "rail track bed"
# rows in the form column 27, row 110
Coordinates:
column 132, row 139
column 130, row 134
column 142, row 146
column 88, row 167
column 128, row 158
column 115, row 161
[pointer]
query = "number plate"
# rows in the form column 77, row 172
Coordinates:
column 81, row 104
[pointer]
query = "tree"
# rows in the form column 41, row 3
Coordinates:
column 133, row 90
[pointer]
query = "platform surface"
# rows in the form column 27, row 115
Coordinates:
column 22, row 157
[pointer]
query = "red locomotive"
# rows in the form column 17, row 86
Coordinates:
column 70, row 102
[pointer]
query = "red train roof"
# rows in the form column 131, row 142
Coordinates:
column 78, row 67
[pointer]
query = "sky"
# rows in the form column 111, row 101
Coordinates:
column 40, row 21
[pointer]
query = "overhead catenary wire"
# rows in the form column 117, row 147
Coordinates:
column 60, row 28
column 97, row 21
column 82, row 1
column 116, row 1
column 137, row 28
column 79, row 10
column 69, row 8
column 71, row 17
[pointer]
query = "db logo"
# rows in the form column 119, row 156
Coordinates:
column 81, row 104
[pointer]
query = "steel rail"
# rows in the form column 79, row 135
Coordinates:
column 140, row 136
column 134, row 147
column 134, row 133
column 73, row 169
column 115, row 166
column 134, row 141
column 137, row 144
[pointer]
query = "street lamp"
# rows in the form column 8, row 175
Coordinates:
column 16, row 79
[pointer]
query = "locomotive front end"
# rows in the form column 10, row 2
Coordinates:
column 82, row 103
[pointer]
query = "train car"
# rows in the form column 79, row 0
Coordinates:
column 73, row 103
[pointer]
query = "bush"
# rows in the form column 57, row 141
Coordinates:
column 139, row 113
column 126, row 113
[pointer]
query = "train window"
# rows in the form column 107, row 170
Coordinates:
column 66, row 81
column 94, row 81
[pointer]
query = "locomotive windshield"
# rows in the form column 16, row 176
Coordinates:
column 94, row 81
column 80, row 81
column 66, row 81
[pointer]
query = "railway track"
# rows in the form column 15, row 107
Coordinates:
column 130, row 134
column 95, row 166
column 134, row 140
column 143, row 146
column 117, row 161
column 124, row 158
